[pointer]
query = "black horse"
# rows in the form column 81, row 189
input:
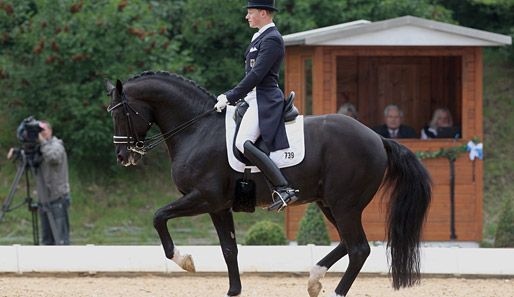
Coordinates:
column 345, row 164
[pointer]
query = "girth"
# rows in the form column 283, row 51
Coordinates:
column 289, row 114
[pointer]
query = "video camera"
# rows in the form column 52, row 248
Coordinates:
column 28, row 131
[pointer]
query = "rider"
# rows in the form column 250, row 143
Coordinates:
column 259, row 88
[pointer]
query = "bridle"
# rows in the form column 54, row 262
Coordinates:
column 134, row 144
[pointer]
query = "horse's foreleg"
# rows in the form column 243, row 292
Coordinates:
column 189, row 205
column 224, row 223
column 318, row 271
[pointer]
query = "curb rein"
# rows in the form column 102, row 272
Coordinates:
column 143, row 146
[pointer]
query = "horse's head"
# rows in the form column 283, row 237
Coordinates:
column 131, row 120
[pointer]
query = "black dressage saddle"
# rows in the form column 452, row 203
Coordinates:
column 290, row 113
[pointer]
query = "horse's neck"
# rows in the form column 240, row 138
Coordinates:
column 172, row 103
column 168, row 115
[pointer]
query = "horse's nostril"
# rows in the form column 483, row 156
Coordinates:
column 120, row 158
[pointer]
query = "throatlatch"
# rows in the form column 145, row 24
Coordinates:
column 282, row 193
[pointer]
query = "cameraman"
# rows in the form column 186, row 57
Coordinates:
column 54, row 171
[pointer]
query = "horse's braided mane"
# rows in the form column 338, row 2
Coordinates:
column 172, row 76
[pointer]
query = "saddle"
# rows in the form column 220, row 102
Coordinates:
column 289, row 114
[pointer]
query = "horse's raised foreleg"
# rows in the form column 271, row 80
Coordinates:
column 224, row 223
column 318, row 271
column 189, row 205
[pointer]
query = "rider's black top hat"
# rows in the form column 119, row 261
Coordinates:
column 262, row 4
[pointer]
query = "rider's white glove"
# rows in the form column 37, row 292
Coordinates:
column 222, row 102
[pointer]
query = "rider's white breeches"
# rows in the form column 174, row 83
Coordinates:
column 249, row 129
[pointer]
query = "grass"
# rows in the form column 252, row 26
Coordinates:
column 498, row 138
column 118, row 209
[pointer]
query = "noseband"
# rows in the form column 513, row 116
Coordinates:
column 132, row 140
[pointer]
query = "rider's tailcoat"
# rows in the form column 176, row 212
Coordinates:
column 264, row 57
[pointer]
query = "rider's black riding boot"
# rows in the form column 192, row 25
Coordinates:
column 282, row 192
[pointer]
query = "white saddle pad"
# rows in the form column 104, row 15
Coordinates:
column 283, row 158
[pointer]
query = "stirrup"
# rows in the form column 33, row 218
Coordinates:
column 281, row 203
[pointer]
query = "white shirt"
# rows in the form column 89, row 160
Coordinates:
column 262, row 30
column 424, row 136
column 393, row 133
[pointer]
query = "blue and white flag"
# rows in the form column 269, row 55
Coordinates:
column 475, row 150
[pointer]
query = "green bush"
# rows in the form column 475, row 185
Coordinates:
column 313, row 229
column 505, row 231
column 265, row 233
column 55, row 56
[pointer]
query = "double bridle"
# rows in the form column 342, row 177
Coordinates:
column 134, row 144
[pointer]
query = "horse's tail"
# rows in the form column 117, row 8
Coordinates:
column 410, row 186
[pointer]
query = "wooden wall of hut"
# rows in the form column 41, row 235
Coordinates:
column 419, row 80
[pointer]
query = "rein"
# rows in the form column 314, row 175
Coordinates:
column 143, row 146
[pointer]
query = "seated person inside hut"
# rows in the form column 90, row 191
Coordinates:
column 349, row 110
column 441, row 125
column 393, row 127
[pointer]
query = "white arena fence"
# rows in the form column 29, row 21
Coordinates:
column 93, row 258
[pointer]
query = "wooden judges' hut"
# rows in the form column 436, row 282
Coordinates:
column 419, row 65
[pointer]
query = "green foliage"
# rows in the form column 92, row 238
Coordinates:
column 313, row 229
column 377, row 10
column 489, row 15
column 451, row 154
column 265, row 233
column 498, row 140
column 218, row 35
column 57, row 54
column 505, row 231
column 300, row 15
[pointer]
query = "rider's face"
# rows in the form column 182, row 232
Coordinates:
column 255, row 17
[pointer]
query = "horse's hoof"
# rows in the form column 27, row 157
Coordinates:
column 317, row 273
column 188, row 264
column 185, row 262
column 314, row 288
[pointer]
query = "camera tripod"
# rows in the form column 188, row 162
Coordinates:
column 27, row 162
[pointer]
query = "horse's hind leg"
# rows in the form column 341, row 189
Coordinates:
column 318, row 271
column 350, row 229
column 189, row 205
column 224, row 223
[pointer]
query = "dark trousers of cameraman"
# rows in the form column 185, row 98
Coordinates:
column 60, row 209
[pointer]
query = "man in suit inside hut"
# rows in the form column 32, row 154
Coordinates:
column 393, row 127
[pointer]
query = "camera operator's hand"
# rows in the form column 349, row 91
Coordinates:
column 45, row 134
column 10, row 153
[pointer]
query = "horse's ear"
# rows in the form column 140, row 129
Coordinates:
column 119, row 86
column 108, row 85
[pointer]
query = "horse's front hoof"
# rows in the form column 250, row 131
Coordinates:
column 185, row 262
